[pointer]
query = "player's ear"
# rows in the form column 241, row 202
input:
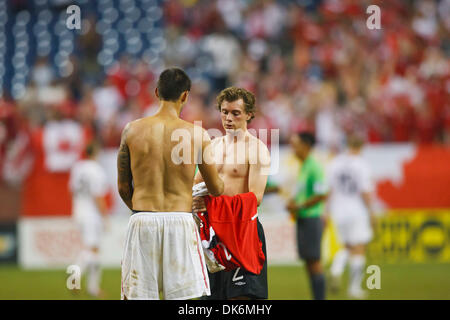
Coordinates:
column 156, row 93
column 184, row 97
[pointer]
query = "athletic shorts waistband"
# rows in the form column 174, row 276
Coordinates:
column 162, row 214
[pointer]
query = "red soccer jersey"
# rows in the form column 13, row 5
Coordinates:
column 233, row 219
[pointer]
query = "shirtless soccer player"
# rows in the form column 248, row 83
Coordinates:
column 243, row 162
column 162, row 252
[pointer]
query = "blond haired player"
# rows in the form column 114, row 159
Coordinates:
column 350, row 188
column 243, row 162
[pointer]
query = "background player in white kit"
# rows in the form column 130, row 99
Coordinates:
column 350, row 187
column 89, row 186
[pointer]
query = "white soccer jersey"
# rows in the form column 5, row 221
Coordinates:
column 348, row 177
column 87, row 181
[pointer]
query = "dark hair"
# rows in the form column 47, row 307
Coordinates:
column 172, row 83
column 232, row 94
column 307, row 138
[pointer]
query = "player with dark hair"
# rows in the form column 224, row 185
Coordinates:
column 307, row 208
column 162, row 252
column 172, row 83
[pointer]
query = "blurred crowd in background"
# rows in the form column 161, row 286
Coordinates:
column 311, row 64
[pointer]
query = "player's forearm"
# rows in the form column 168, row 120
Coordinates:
column 211, row 178
column 257, row 183
column 101, row 205
column 272, row 189
column 258, row 194
column 216, row 188
column 313, row 201
column 126, row 193
column 124, row 175
column 368, row 202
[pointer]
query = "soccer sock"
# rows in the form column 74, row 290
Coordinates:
column 83, row 259
column 357, row 263
column 94, row 275
column 318, row 286
column 339, row 262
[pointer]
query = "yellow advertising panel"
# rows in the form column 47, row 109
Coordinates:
column 404, row 236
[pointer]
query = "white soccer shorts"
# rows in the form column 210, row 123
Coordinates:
column 354, row 229
column 91, row 229
column 163, row 253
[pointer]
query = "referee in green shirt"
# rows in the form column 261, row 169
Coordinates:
column 307, row 207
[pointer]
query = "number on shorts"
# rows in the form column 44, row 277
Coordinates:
column 235, row 277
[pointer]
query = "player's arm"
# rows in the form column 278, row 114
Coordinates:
column 367, row 201
column 366, row 196
column 198, row 178
column 310, row 202
column 101, row 205
column 124, row 176
column 207, row 167
column 259, row 172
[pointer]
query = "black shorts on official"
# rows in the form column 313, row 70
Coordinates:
column 231, row 284
column 309, row 238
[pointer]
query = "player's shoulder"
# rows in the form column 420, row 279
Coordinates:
column 314, row 165
column 254, row 140
column 363, row 163
column 343, row 159
column 193, row 128
column 77, row 166
column 130, row 127
column 133, row 123
column 258, row 149
column 89, row 165
column 82, row 167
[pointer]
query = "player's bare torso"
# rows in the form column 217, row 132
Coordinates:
column 160, row 183
column 233, row 156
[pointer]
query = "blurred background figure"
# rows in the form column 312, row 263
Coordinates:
column 307, row 208
column 350, row 188
column 89, row 188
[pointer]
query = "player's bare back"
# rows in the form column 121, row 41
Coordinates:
column 159, row 183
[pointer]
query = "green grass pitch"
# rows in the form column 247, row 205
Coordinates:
column 398, row 281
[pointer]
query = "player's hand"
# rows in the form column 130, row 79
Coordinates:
column 292, row 216
column 324, row 219
column 373, row 222
column 198, row 204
